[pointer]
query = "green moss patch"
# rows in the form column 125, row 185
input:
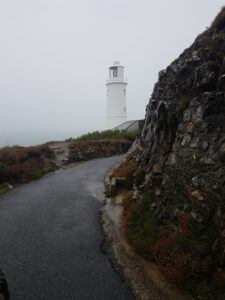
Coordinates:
column 183, row 252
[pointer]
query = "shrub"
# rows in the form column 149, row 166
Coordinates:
column 106, row 134
column 21, row 164
column 142, row 226
column 181, row 247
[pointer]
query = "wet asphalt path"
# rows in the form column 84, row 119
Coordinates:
column 50, row 238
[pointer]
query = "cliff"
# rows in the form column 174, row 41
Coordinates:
column 183, row 143
column 176, row 216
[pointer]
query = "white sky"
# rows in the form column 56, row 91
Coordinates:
column 55, row 54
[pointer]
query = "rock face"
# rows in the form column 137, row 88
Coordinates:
column 182, row 145
column 4, row 293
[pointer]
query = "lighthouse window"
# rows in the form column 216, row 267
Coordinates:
column 124, row 92
column 115, row 72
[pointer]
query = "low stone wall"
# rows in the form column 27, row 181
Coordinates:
column 23, row 164
column 81, row 151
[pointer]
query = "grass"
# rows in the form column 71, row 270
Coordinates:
column 109, row 193
column 106, row 134
column 184, row 255
column 142, row 227
column 4, row 188
column 22, row 164
column 101, row 218
column 104, row 202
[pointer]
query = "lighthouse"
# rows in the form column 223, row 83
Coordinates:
column 116, row 96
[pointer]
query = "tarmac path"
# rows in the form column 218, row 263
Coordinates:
column 50, row 237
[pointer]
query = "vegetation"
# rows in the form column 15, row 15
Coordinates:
column 181, row 248
column 127, row 169
column 4, row 188
column 184, row 238
column 142, row 228
column 21, row 164
column 106, row 134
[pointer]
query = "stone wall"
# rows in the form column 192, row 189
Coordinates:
column 81, row 151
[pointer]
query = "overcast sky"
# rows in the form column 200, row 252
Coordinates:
column 55, row 54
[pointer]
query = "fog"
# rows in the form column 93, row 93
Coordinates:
column 55, row 54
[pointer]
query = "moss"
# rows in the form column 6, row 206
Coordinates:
column 36, row 174
column 104, row 202
column 2, row 191
column 101, row 220
column 142, row 226
column 110, row 191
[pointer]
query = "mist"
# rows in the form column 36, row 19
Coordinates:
column 55, row 54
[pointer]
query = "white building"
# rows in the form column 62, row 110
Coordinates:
column 116, row 96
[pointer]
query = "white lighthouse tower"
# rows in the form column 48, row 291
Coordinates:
column 116, row 96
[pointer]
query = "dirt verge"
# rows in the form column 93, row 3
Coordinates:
column 144, row 278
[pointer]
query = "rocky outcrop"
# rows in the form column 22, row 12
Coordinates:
column 4, row 293
column 183, row 139
column 181, row 151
